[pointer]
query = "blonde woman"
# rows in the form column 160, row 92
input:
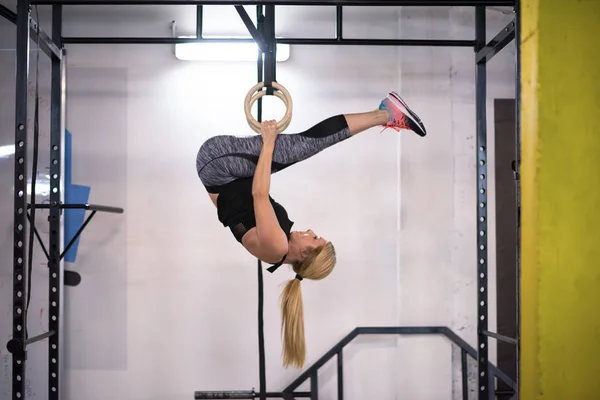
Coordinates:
column 236, row 173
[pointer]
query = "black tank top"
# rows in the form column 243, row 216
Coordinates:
column 235, row 209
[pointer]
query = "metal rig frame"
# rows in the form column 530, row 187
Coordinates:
column 264, row 36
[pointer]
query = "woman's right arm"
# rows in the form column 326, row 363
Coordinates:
column 272, row 241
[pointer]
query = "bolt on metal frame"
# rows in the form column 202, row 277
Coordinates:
column 27, row 30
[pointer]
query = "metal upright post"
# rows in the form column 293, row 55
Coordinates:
column 20, row 277
column 484, row 379
column 339, row 23
column 199, row 21
column 55, row 264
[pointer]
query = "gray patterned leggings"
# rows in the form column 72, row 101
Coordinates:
column 226, row 158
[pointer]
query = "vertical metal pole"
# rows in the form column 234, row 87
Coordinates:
column 20, row 203
column 340, row 374
column 199, row 21
column 55, row 265
column 463, row 368
column 485, row 392
column 518, row 188
column 314, row 386
column 339, row 23
column 260, row 64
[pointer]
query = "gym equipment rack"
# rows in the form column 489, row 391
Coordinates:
column 264, row 36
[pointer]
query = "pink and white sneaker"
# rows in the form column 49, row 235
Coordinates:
column 401, row 117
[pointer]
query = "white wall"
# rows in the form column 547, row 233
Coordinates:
column 168, row 299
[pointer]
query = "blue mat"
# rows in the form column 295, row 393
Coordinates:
column 74, row 194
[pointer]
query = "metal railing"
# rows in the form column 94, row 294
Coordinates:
column 290, row 393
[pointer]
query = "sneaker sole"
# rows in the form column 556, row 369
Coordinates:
column 410, row 113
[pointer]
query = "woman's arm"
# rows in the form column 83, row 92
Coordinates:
column 272, row 244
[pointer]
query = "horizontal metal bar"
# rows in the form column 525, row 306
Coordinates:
column 147, row 40
column 46, row 44
column 39, row 337
column 281, row 394
column 231, row 394
column 500, row 337
column 290, row 41
column 379, row 42
column 8, row 14
column 92, row 207
column 244, row 394
column 504, row 392
column 400, row 330
column 417, row 3
column 494, row 46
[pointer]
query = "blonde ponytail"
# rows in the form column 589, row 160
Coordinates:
column 316, row 266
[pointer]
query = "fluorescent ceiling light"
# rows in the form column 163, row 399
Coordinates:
column 7, row 150
column 225, row 51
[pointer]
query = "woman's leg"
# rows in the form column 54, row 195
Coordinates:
column 224, row 159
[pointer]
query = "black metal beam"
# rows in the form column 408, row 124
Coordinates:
column 378, row 42
column 464, row 375
column 339, row 22
column 290, row 41
column 199, row 21
column 39, row 337
column 55, row 266
column 504, row 37
column 314, row 385
column 244, row 394
column 147, row 40
column 483, row 371
column 256, row 35
column 340, row 374
column 20, row 203
column 46, row 44
column 386, row 3
column 500, row 337
column 86, row 206
column 8, row 14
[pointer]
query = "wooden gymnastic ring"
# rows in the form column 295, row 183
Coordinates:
column 255, row 125
column 256, row 93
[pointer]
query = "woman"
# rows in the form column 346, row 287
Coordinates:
column 236, row 174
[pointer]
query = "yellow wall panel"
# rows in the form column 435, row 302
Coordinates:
column 560, row 111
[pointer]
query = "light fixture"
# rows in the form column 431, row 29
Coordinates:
column 6, row 151
column 224, row 50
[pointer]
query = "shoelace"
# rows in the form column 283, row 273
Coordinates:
column 394, row 125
